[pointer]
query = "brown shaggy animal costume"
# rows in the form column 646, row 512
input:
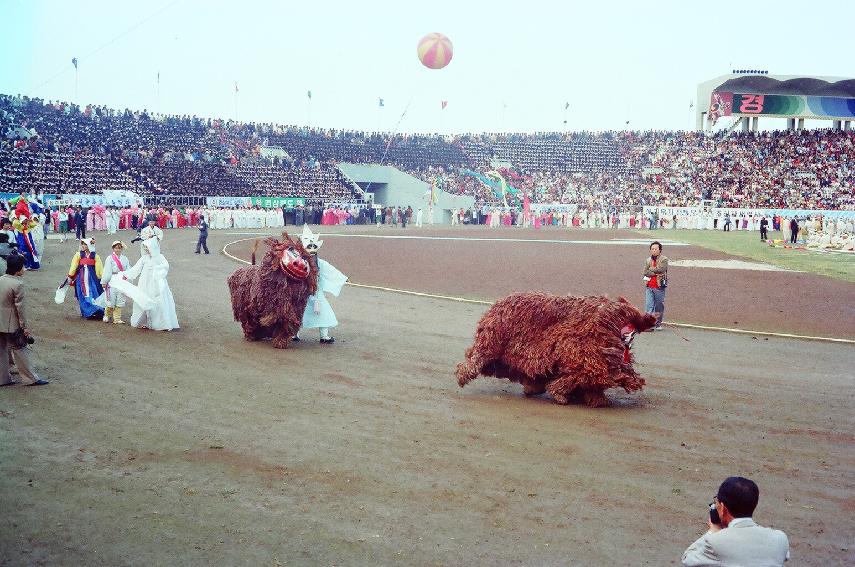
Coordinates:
column 575, row 348
column 267, row 301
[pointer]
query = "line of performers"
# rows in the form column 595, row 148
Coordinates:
column 101, row 288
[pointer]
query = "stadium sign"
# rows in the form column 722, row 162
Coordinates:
column 265, row 202
column 278, row 202
column 787, row 106
column 719, row 212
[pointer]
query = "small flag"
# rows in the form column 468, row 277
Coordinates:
column 444, row 104
column 309, row 94
column 566, row 105
column 74, row 62
column 380, row 102
column 236, row 87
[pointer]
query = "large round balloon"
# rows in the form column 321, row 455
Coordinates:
column 435, row 51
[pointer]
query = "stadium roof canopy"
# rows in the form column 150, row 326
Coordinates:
column 807, row 86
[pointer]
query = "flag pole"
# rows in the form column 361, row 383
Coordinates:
column 566, row 106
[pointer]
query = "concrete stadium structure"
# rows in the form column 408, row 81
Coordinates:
column 389, row 186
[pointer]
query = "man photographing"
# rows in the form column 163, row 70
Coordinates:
column 733, row 538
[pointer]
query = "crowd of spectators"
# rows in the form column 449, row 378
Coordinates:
column 57, row 147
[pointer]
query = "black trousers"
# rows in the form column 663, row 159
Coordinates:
column 81, row 231
column 203, row 243
column 794, row 235
column 763, row 234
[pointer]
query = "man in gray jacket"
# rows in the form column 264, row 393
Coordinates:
column 13, row 317
column 734, row 539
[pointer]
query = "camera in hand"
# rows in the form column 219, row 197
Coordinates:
column 714, row 518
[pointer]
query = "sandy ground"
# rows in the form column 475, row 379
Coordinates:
column 197, row 448
column 790, row 302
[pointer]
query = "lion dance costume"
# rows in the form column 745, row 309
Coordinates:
column 269, row 299
column 574, row 348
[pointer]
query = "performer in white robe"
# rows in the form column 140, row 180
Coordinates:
column 38, row 234
column 319, row 313
column 112, row 218
column 154, row 306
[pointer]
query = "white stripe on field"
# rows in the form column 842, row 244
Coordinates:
column 477, row 239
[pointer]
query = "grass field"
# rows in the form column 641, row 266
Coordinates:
column 748, row 245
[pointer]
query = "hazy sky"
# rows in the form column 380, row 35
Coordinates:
column 515, row 63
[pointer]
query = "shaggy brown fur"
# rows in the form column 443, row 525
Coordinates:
column 570, row 347
column 266, row 302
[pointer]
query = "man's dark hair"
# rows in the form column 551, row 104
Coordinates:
column 14, row 264
column 740, row 495
column 6, row 221
column 656, row 243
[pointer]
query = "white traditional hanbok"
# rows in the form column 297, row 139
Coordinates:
column 113, row 266
column 38, row 234
column 319, row 313
column 154, row 306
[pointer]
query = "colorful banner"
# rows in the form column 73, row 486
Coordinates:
column 495, row 181
column 746, row 104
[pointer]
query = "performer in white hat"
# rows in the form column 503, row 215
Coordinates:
column 319, row 312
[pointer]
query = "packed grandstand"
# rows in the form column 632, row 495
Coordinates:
column 59, row 148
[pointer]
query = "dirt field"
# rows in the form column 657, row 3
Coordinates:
column 197, row 448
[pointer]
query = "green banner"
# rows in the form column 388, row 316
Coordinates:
column 277, row 202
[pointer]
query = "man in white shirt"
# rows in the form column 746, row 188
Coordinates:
column 733, row 538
